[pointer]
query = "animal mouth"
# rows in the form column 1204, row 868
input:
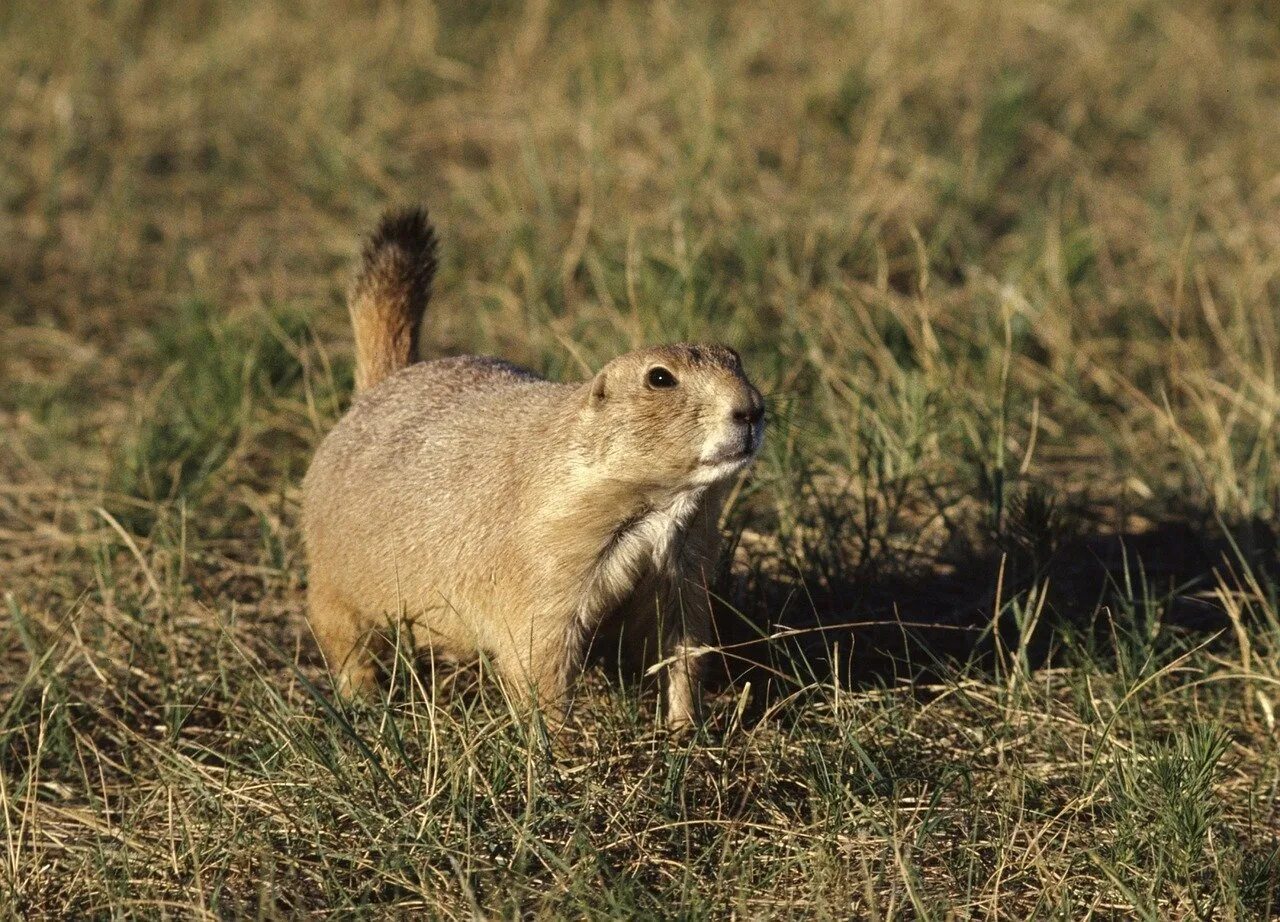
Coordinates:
column 741, row 453
column 727, row 457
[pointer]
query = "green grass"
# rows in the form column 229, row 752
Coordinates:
column 1001, row 622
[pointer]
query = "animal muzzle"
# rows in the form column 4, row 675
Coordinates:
column 749, row 415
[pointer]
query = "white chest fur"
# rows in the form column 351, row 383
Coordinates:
column 648, row 543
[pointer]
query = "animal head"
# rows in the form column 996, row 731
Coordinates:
column 674, row 417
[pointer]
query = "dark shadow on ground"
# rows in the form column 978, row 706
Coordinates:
column 917, row 625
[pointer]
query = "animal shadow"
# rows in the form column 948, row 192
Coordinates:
column 782, row 629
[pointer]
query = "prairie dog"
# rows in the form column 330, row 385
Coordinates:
column 493, row 511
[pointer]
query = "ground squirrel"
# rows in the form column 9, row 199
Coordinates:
column 497, row 512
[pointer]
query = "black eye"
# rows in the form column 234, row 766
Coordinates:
column 660, row 377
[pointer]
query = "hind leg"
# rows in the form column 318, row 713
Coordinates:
column 345, row 641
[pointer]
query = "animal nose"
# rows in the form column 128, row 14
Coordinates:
column 751, row 413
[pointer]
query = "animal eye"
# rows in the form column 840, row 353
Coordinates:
column 660, row 377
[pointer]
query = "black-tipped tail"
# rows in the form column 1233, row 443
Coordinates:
column 391, row 292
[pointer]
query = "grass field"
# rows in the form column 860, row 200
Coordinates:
column 1002, row 618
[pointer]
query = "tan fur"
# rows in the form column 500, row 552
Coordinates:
column 496, row 512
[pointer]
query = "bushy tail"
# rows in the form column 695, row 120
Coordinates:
column 390, row 294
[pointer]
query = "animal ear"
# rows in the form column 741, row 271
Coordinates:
column 599, row 390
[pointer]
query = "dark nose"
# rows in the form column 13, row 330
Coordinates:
column 751, row 413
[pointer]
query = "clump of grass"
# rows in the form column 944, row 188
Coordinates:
column 1165, row 808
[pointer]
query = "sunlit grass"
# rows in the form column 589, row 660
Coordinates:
column 1001, row 625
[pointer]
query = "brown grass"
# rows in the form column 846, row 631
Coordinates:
column 1008, row 272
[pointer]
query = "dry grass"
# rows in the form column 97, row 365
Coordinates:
column 1005, row 589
